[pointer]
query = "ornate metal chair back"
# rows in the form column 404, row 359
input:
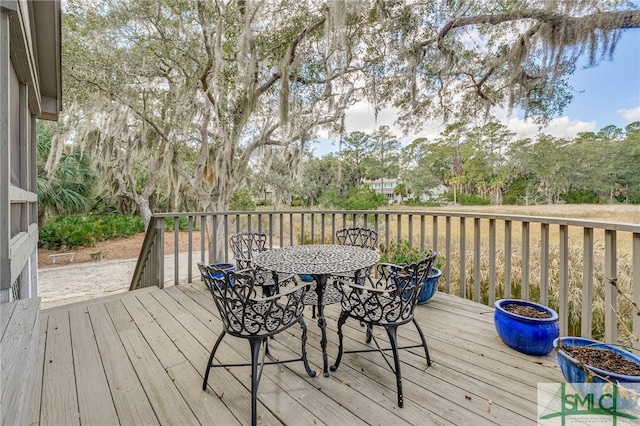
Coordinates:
column 243, row 312
column 361, row 237
column 244, row 245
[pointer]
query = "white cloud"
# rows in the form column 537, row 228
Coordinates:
column 562, row 127
column 631, row 114
column 361, row 118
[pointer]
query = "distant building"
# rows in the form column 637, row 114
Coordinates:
column 384, row 186
column 30, row 89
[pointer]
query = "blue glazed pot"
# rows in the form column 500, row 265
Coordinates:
column 588, row 379
column 306, row 278
column 430, row 286
column 225, row 267
column 532, row 336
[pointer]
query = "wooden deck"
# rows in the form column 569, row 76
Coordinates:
column 138, row 358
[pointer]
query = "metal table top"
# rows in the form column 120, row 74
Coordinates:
column 317, row 259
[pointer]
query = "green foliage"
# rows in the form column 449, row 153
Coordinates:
column 472, row 200
column 183, row 224
column 580, row 196
column 400, row 253
column 79, row 231
column 241, row 200
column 363, row 198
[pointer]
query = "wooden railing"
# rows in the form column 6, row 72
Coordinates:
column 588, row 271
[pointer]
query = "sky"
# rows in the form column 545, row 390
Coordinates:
column 608, row 93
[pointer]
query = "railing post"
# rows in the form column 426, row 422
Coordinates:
column 159, row 260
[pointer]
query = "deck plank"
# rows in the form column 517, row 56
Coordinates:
column 198, row 324
column 165, row 399
column 132, row 405
column 59, row 394
column 89, row 372
column 19, row 353
column 154, row 345
column 36, row 392
column 145, row 309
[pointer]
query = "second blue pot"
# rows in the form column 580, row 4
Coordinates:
column 532, row 336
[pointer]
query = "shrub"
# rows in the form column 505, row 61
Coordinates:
column 580, row 197
column 78, row 231
column 472, row 200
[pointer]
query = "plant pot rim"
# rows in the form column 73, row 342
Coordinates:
column 501, row 302
column 599, row 345
column 222, row 265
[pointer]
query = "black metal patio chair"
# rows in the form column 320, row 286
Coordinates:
column 244, row 245
column 390, row 303
column 247, row 316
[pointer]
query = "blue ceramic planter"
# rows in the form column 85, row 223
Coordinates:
column 430, row 286
column 224, row 266
column 532, row 336
column 306, row 278
column 588, row 379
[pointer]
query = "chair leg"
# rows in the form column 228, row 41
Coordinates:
column 343, row 317
column 393, row 339
column 310, row 372
column 424, row 342
column 255, row 379
column 369, row 333
column 213, row 352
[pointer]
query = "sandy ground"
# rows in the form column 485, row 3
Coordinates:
column 67, row 284
column 82, row 279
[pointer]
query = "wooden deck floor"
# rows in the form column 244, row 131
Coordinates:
column 138, row 358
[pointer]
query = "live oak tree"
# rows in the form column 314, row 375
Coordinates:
column 181, row 97
column 194, row 90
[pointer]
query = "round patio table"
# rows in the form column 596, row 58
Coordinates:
column 320, row 261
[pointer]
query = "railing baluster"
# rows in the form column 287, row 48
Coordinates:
column 448, row 251
column 333, row 228
column 176, row 248
column 635, row 255
column 544, row 264
column 434, row 230
column 410, row 237
column 190, row 249
column 587, row 282
column 563, row 288
column 492, row 262
column 524, row 288
column 477, row 274
column 463, row 256
column 610, row 291
column 159, row 260
column 203, row 236
column 507, row 259
column 313, row 228
column 423, row 232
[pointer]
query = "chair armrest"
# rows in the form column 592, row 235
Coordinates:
column 363, row 288
column 287, row 292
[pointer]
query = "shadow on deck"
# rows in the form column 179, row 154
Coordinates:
column 139, row 358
